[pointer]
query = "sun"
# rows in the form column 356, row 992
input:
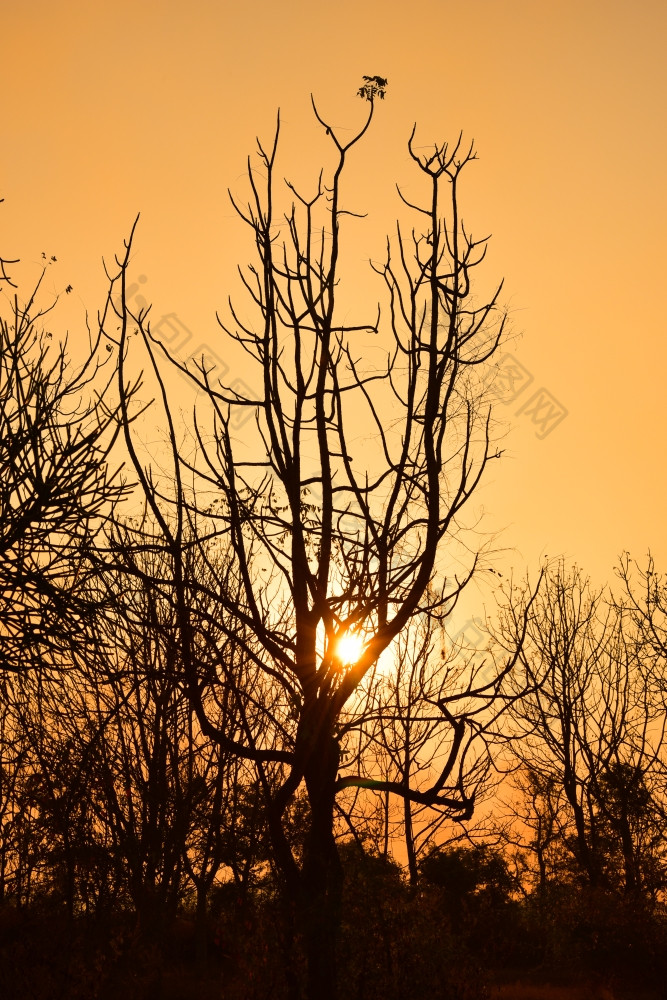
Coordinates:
column 349, row 648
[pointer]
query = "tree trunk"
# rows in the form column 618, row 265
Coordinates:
column 201, row 927
column 322, row 879
column 410, row 842
column 629, row 861
column 585, row 854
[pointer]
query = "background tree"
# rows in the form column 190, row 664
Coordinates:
column 586, row 727
column 57, row 428
column 170, row 792
column 536, row 831
column 400, row 736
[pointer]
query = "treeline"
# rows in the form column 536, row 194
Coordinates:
column 133, row 837
column 132, row 840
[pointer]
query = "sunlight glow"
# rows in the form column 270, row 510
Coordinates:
column 349, row 648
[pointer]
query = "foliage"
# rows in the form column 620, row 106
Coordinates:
column 373, row 86
column 463, row 872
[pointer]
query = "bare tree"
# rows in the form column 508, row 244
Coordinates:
column 14, row 768
column 336, row 516
column 404, row 737
column 586, row 726
column 193, row 815
column 57, row 428
column 536, row 832
column 645, row 600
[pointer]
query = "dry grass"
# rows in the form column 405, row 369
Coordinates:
column 545, row 991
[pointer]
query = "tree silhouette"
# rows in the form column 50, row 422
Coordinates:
column 325, row 536
column 57, row 428
column 588, row 732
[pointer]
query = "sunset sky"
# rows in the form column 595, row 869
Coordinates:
column 110, row 109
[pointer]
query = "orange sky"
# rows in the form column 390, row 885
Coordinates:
column 111, row 109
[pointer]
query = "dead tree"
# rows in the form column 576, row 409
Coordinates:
column 586, row 723
column 57, row 428
column 337, row 506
